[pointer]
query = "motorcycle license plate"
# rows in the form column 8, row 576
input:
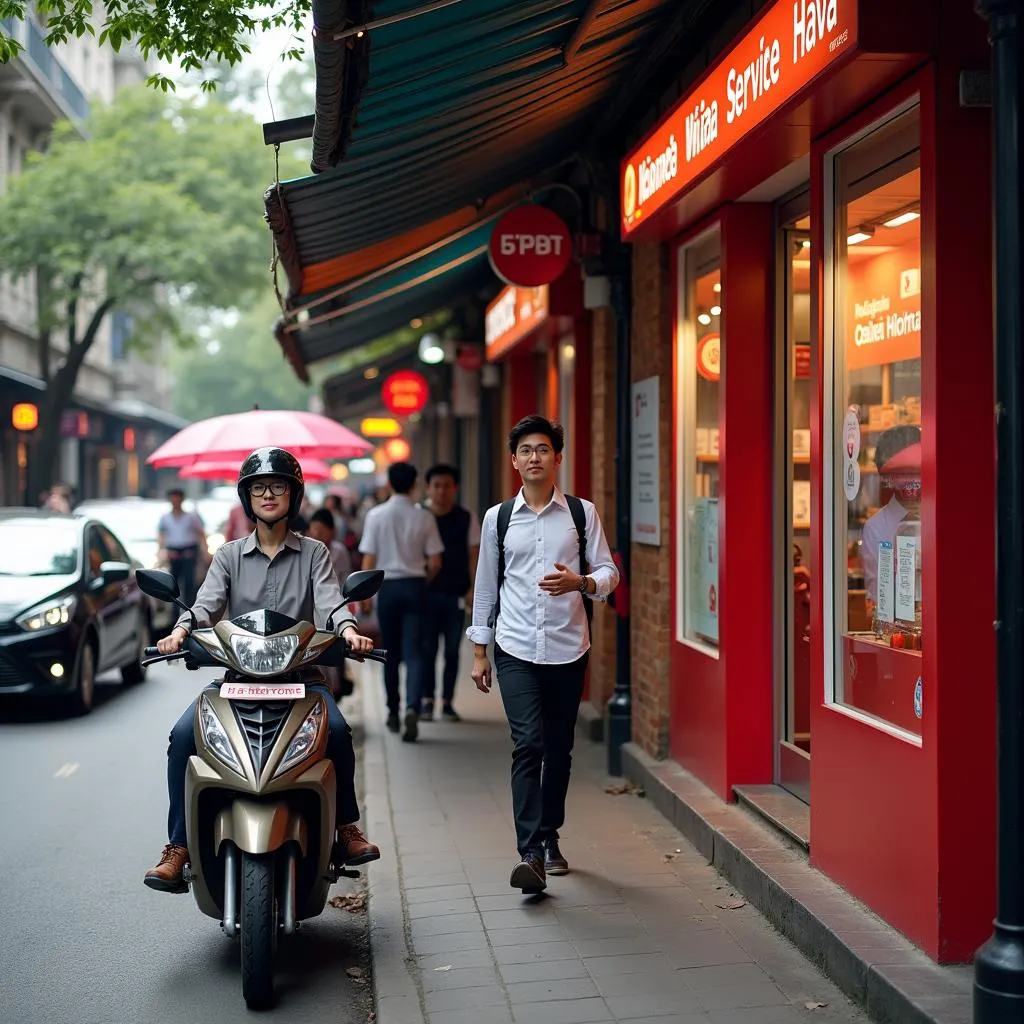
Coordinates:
column 263, row 691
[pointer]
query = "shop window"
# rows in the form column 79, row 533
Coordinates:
column 699, row 395
column 874, row 458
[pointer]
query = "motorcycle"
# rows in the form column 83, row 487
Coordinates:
column 260, row 792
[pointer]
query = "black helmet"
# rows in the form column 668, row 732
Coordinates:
column 271, row 462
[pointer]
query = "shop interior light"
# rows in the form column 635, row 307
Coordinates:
column 805, row 244
column 716, row 287
column 901, row 218
column 716, row 310
column 362, row 466
column 431, row 350
column 860, row 234
column 415, row 323
column 371, row 373
column 703, row 318
column 569, row 352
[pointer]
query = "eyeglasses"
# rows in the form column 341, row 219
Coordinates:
column 277, row 488
column 525, row 451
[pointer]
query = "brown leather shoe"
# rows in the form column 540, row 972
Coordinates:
column 353, row 847
column 167, row 875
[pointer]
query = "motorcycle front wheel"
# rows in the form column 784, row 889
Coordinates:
column 259, row 930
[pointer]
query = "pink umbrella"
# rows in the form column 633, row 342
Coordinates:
column 235, row 436
column 314, row 470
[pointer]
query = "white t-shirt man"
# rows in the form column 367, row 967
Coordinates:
column 401, row 537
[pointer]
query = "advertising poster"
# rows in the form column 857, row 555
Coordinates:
column 645, row 501
column 884, row 606
column 703, row 568
column 906, row 577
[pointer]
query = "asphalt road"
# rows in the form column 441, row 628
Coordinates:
column 83, row 812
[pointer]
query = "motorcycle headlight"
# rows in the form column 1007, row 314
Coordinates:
column 264, row 655
column 216, row 738
column 304, row 741
column 50, row 615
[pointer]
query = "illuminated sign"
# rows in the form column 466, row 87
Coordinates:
column 25, row 416
column 511, row 317
column 397, row 449
column 789, row 46
column 530, row 246
column 380, row 426
column 128, row 439
column 404, row 393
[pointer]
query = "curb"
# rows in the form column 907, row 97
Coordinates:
column 395, row 993
column 897, row 984
column 590, row 722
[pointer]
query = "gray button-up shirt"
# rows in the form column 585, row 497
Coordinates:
column 300, row 582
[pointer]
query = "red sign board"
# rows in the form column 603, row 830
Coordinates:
column 405, row 393
column 511, row 317
column 470, row 357
column 709, row 356
column 790, row 45
column 530, row 246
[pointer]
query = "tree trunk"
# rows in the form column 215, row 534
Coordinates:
column 59, row 390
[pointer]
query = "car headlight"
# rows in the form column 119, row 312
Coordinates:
column 304, row 741
column 216, row 738
column 50, row 615
column 264, row 656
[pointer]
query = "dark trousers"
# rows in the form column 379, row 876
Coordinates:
column 182, row 565
column 339, row 750
column 400, row 606
column 541, row 704
column 443, row 619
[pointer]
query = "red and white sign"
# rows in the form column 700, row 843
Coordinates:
column 530, row 246
column 405, row 393
column 709, row 356
column 788, row 47
column 513, row 314
column 263, row 691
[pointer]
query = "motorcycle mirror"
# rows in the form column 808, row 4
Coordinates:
column 361, row 586
column 159, row 584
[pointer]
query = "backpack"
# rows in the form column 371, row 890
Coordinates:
column 579, row 521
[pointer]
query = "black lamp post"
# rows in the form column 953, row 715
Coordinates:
column 999, row 964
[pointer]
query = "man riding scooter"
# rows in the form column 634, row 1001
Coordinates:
column 274, row 569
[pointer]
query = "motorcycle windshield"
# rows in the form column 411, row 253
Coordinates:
column 264, row 622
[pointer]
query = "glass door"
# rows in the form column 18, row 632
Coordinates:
column 793, row 475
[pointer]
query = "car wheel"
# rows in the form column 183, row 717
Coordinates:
column 85, row 680
column 135, row 672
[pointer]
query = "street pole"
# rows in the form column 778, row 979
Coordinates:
column 999, row 964
column 619, row 710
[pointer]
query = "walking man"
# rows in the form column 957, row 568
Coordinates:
column 543, row 560
column 404, row 541
column 182, row 536
column 450, row 589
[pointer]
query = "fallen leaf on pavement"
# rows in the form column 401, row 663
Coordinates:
column 668, row 856
column 618, row 790
column 732, row 905
column 353, row 902
column 815, row 1006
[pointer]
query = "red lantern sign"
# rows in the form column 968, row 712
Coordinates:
column 709, row 356
column 25, row 416
column 530, row 246
column 405, row 393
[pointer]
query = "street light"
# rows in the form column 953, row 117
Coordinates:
column 431, row 352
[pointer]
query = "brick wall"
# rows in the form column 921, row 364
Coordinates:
column 651, row 577
column 602, row 490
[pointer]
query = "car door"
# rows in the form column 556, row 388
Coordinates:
column 125, row 617
column 105, row 598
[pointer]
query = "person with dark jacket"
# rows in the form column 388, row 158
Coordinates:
column 450, row 590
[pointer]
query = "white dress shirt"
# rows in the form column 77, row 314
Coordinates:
column 532, row 625
column 401, row 537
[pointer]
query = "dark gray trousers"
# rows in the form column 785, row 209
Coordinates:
column 541, row 704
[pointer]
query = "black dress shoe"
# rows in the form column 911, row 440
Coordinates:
column 393, row 724
column 528, row 875
column 554, row 862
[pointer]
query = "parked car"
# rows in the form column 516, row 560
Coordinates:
column 135, row 522
column 69, row 607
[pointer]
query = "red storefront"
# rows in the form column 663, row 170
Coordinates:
column 824, row 190
column 541, row 336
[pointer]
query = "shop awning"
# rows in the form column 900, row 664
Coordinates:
column 438, row 120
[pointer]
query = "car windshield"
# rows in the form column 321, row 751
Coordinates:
column 45, row 547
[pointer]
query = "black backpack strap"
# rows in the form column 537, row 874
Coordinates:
column 504, row 518
column 579, row 518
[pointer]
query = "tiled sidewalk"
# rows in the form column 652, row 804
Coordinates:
column 641, row 930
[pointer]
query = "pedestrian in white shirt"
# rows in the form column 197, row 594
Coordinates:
column 182, row 539
column 404, row 541
column 543, row 559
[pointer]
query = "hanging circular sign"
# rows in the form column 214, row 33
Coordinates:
column 405, row 393
column 709, row 356
column 470, row 357
column 530, row 246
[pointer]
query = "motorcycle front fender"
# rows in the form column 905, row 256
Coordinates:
column 256, row 827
